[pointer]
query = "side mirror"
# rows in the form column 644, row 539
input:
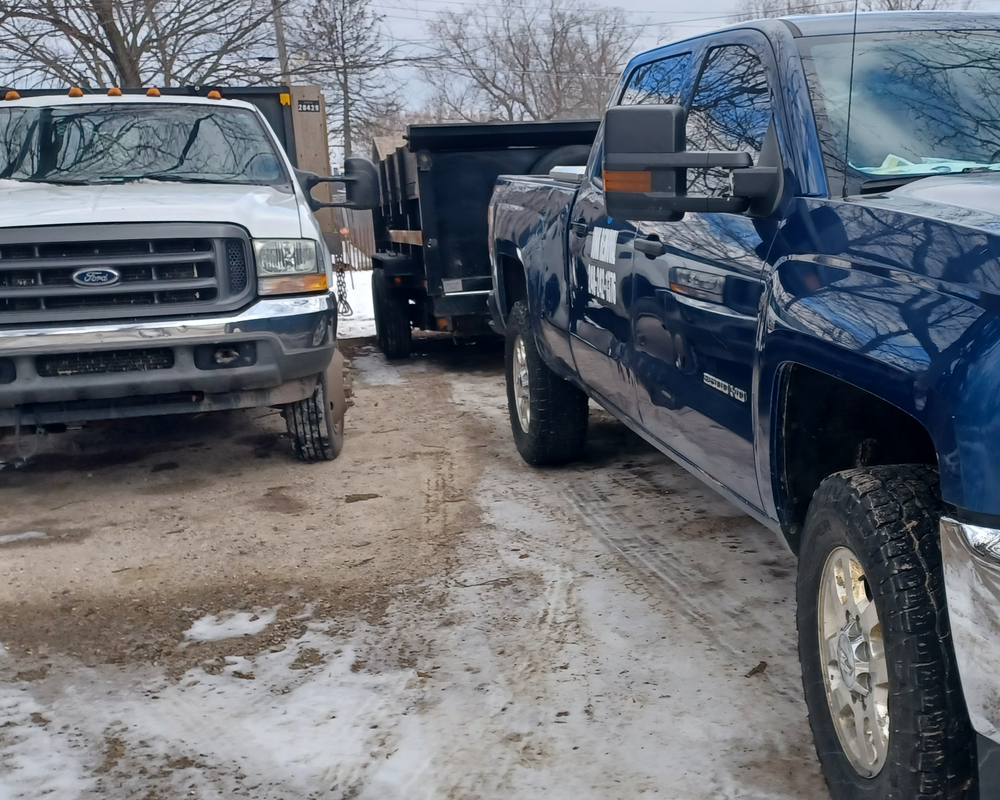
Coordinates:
column 360, row 181
column 646, row 162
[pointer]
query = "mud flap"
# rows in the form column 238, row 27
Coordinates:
column 336, row 390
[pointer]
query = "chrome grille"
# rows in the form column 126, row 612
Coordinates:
column 164, row 270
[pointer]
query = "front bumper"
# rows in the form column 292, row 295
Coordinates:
column 293, row 340
column 971, row 556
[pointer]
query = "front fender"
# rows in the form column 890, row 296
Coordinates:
column 923, row 348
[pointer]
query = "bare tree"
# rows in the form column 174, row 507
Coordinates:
column 763, row 9
column 527, row 62
column 348, row 51
column 132, row 43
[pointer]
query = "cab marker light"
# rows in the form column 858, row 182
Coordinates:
column 152, row 91
column 76, row 91
column 215, row 94
column 114, row 91
column 12, row 95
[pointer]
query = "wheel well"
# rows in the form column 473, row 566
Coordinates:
column 515, row 286
column 825, row 426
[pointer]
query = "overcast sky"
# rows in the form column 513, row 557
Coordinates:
column 662, row 20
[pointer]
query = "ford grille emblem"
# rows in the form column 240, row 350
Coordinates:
column 96, row 277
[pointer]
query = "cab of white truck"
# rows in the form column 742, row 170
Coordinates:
column 160, row 255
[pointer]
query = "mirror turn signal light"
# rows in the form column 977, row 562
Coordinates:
column 292, row 284
column 152, row 91
column 76, row 91
column 628, row 181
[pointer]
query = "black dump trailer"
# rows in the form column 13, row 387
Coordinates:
column 431, row 263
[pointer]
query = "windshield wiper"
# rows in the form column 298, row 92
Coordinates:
column 56, row 181
column 156, row 176
column 890, row 182
column 877, row 185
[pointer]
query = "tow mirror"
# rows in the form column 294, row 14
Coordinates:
column 360, row 181
column 646, row 162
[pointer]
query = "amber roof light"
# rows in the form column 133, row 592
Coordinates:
column 76, row 91
column 152, row 91
column 12, row 95
column 114, row 91
column 214, row 95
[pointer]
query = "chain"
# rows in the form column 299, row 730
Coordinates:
column 343, row 307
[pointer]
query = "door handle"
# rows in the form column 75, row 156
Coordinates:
column 579, row 228
column 651, row 247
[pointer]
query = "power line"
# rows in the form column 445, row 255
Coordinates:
column 683, row 23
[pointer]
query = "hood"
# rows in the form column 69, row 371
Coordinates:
column 265, row 211
column 972, row 200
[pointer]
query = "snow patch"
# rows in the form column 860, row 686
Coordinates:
column 359, row 294
column 37, row 761
column 10, row 538
column 211, row 628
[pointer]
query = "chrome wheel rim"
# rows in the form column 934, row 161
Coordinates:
column 855, row 669
column 522, row 392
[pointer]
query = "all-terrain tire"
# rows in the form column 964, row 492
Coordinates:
column 314, row 435
column 392, row 317
column 888, row 517
column 557, row 428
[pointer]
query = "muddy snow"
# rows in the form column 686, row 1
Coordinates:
column 239, row 625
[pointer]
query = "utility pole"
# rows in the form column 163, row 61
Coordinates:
column 279, row 35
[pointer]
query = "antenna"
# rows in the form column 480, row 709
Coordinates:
column 850, row 98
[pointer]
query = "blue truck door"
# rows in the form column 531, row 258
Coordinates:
column 600, row 255
column 697, row 285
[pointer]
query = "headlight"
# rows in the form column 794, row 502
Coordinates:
column 288, row 266
column 285, row 256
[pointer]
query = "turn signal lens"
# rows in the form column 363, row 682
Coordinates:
column 292, row 284
column 628, row 181
column 152, row 91
column 76, row 91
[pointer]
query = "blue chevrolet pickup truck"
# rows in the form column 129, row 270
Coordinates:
column 781, row 266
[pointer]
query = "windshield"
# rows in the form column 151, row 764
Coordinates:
column 117, row 143
column 921, row 101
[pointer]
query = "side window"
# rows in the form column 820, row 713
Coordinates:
column 657, row 83
column 730, row 110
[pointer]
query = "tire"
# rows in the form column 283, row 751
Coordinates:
column 392, row 317
column 573, row 155
column 310, row 424
column 884, row 522
column 556, row 429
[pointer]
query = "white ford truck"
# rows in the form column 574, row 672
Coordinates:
column 159, row 255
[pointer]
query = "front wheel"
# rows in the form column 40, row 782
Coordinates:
column 548, row 415
column 878, row 666
column 314, row 434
